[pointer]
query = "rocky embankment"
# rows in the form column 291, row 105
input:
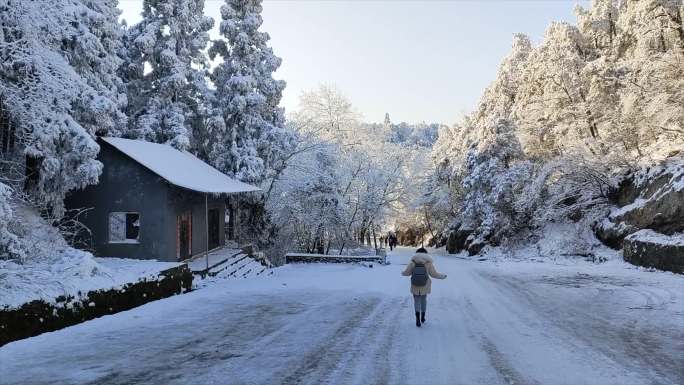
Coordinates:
column 648, row 223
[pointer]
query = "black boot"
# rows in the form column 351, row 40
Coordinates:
column 422, row 317
column 418, row 319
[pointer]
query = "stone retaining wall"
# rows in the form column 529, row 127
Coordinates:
column 661, row 256
column 38, row 316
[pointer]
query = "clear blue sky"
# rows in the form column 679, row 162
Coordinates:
column 418, row 60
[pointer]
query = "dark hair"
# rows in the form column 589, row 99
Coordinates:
column 421, row 250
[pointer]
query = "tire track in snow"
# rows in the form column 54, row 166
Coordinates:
column 632, row 346
column 499, row 362
column 366, row 359
column 199, row 350
column 317, row 363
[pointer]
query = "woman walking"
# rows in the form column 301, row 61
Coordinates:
column 421, row 268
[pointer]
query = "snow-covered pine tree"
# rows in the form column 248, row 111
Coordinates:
column 58, row 88
column 246, row 93
column 44, row 95
column 95, row 53
column 166, row 70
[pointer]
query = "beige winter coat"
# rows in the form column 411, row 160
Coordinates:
column 429, row 266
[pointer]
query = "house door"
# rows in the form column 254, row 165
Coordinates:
column 214, row 227
column 184, row 235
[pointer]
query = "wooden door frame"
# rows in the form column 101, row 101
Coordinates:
column 179, row 218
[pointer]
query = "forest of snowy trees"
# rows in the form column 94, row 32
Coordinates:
column 557, row 126
column 71, row 72
column 347, row 180
column 561, row 123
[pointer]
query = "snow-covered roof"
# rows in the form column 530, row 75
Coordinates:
column 180, row 168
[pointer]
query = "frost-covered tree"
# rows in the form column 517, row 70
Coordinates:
column 407, row 134
column 599, row 23
column 51, row 97
column 650, row 26
column 496, row 173
column 500, row 97
column 10, row 245
column 96, row 54
column 59, row 87
column 652, row 65
column 342, row 181
column 166, row 70
column 553, row 109
column 247, row 96
column 326, row 113
column 314, row 205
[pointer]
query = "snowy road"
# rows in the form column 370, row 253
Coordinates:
column 488, row 323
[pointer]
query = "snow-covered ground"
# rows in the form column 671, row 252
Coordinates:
column 488, row 323
column 55, row 269
column 70, row 272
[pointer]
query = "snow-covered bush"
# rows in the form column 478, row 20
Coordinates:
column 570, row 188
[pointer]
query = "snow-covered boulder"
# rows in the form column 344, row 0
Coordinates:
column 651, row 249
column 457, row 240
column 650, row 199
column 474, row 244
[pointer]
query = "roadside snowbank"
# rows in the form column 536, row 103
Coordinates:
column 69, row 272
column 52, row 268
column 651, row 236
column 555, row 242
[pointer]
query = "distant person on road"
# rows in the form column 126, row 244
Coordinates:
column 421, row 268
column 392, row 239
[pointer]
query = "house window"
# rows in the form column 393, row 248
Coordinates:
column 124, row 227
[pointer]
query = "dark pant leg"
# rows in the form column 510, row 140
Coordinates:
column 420, row 303
column 417, row 303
